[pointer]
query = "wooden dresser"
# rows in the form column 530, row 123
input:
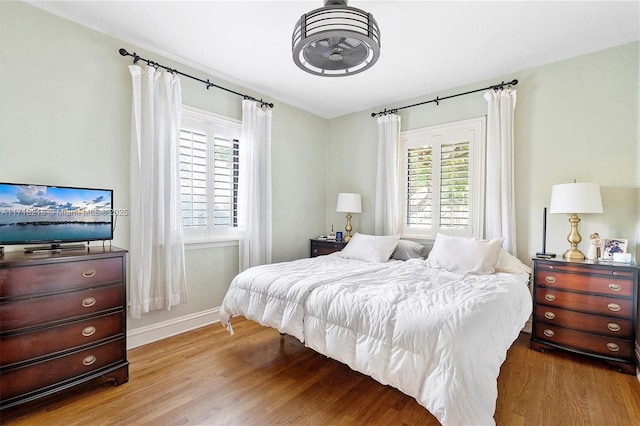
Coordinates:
column 62, row 321
column 587, row 308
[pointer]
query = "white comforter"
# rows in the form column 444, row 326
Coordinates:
column 436, row 336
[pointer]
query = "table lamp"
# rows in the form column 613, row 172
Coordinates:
column 574, row 198
column 349, row 203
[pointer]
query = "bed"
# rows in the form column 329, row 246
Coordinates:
column 436, row 329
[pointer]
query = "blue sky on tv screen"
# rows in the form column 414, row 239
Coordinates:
column 36, row 203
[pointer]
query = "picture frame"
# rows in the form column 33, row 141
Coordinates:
column 613, row 245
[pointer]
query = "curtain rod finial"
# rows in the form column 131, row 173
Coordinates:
column 123, row 52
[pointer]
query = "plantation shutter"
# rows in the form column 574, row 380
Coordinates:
column 193, row 178
column 419, row 185
column 454, row 185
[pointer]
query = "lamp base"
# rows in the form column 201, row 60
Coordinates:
column 573, row 255
column 348, row 228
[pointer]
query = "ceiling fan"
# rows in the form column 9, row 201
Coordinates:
column 336, row 40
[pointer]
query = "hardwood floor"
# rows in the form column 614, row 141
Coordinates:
column 206, row 377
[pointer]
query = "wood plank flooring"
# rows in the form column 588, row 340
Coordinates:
column 257, row 377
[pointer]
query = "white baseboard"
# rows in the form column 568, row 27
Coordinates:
column 153, row 333
column 528, row 326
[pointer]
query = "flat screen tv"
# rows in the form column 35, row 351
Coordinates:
column 44, row 214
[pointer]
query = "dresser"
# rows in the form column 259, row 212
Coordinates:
column 587, row 308
column 62, row 321
column 322, row 247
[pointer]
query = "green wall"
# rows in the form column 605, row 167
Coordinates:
column 574, row 119
column 65, row 114
column 65, row 117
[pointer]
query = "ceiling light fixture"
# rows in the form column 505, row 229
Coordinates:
column 336, row 40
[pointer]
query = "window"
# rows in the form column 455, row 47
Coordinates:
column 443, row 175
column 209, row 147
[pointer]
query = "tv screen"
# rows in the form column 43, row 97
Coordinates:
column 32, row 214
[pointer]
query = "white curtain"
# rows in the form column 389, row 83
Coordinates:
column 158, row 279
column 387, row 214
column 500, row 190
column 254, row 186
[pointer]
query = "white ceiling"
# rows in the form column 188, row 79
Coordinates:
column 427, row 46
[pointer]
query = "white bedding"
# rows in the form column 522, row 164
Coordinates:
column 436, row 336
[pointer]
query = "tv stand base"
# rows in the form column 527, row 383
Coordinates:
column 55, row 247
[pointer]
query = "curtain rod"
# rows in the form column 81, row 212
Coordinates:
column 437, row 99
column 137, row 58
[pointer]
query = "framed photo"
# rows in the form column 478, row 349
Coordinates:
column 613, row 245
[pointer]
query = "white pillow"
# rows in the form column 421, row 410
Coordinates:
column 511, row 264
column 370, row 248
column 464, row 255
column 406, row 250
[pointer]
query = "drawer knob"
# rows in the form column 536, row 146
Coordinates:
column 549, row 333
column 88, row 360
column 550, row 279
column 613, row 326
column 88, row 302
column 613, row 307
column 88, row 331
column 549, row 315
column 614, row 287
column 549, row 297
column 89, row 273
column 613, row 347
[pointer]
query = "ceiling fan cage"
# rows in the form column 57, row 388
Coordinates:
column 336, row 40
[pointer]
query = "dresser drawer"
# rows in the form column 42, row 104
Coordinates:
column 32, row 345
column 610, row 306
column 19, row 381
column 25, row 313
column 586, row 342
column 610, row 285
column 615, row 327
column 58, row 277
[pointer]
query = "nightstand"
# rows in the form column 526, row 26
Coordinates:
column 321, row 247
column 588, row 308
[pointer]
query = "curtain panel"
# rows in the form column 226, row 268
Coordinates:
column 254, row 186
column 387, row 210
column 500, row 208
column 158, row 278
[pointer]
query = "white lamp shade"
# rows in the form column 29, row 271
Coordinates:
column 349, row 203
column 576, row 198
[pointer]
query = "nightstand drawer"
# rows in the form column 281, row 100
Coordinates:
column 592, row 343
column 323, row 247
column 607, row 285
column 610, row 306
column 615, row 327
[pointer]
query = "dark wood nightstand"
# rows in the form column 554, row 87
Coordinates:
column 587, row 308
column 321, row 247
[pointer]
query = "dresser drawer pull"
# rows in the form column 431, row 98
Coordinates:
column 613, row 347
column 615, row 287
column 88, row 331
column 549, row 297
column 88, row 360
column 89, row 273
column 549, row 333
column 550, row 279
column 613, row 307
column 613, row 326
column 549, row 315
column 88, row 302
